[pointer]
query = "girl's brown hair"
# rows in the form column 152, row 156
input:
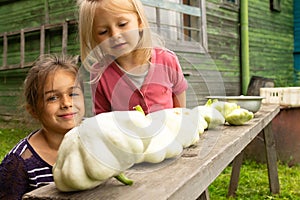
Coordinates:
column 37, row 76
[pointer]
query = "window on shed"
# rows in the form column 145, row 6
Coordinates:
column 236, row 2
column 179, row 21
column 275, row 5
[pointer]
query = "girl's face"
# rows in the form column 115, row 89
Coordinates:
column 117, row 34
column 63, row 102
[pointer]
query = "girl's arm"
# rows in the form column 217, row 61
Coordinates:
column 179, row 100
column 13, row 178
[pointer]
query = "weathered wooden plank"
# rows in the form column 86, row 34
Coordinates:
column 235, row 174
column 42, row 40
column 20, row 14
column 4, row 61
column 11, row 94
column 271, row 159
column 185, row 177
column 189, row 10
column 17, row 66
column 22, row 48
column 60, row 11
column 31, row 52
column 37, row 28
column 65, row 38
column 204, row 195
column 203, row 26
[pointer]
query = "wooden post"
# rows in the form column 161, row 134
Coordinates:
column 4, row 61
column 65, row 38
column 235, row 174
column 204, row 195
column 42, row 40
column 157, row 10
column 22, row 48
column 271, row 159
column 203, row 26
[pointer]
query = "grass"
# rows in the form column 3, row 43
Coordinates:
column 9, row 138
column 253, row 183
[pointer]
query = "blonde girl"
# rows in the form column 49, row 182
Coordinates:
column 126, row 69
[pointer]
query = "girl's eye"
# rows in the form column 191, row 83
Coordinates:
column 76, row 91
column 74, row 94
column 52, row 98
column 123, row 24
column 102, row 32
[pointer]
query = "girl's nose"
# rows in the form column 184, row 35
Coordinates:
column 115, row 32
column 66, row 101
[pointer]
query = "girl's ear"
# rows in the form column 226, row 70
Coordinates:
column 140, row 23
column 141, row 26
column 31, row 111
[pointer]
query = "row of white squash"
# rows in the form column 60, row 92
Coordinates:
column 107, row 144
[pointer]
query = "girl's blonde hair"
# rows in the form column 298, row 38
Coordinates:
column 90, row 51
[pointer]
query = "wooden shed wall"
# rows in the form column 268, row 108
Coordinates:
column 271, row 39
column 28, row 14
column 11, row 91
column 219, row 71
column 224, row 42
column 268, row 31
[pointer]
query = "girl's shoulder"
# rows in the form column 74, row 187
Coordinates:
column 22, row 170
column 165, row 51
column 14, row 158
column 163, row 55
column 21, row 147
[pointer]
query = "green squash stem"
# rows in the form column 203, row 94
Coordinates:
column 139, row 108
column 123, row 179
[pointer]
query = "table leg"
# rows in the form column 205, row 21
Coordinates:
column 235, row 173
column 271, row 159
column 204, row 195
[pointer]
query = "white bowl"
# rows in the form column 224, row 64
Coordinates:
column 251, row 103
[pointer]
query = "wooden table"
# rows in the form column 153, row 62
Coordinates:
column 188, row 176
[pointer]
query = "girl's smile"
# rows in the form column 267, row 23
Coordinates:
column 68, row 115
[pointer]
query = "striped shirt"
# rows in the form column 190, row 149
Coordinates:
column 23, row 170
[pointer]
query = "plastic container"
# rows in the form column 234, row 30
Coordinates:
column 284, row 96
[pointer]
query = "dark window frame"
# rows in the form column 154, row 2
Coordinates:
column 192, row 21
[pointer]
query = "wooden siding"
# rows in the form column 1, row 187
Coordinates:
column 11, row 94
column 224, row 42
column 271, row 41
column 27, row 13
column 29, row 16
column 173, row 6
column 215, row 71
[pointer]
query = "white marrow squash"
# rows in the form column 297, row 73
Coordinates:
column 107, row 144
